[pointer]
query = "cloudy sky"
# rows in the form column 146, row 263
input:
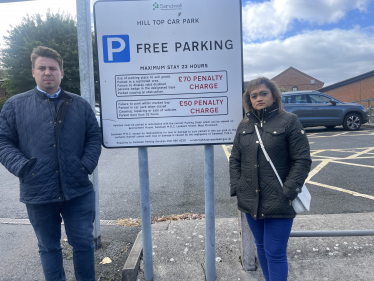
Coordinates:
column 331, row 40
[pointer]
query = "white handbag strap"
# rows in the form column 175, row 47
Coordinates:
column 267, row 155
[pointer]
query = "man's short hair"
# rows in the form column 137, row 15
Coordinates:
column 46, row 52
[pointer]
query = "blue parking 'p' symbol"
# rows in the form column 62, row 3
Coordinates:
column 116, row 48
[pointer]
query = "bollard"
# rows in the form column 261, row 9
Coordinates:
column 247, row 244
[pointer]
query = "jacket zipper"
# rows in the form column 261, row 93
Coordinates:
column 261, row 121
column 57, row 144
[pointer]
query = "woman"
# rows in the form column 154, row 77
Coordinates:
column 267, row 206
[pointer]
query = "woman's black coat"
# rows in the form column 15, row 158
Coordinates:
column 253, row 180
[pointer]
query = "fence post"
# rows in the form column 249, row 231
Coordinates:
column 247, row 244
column 371, row 114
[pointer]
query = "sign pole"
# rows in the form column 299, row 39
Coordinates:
column 87, row 87
column 145, row 205
column 210, row 241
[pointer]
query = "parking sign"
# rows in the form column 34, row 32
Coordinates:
column 170, row 72
column 116, row 48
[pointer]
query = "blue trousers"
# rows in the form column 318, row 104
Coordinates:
column 78, row 215
column 271, row 238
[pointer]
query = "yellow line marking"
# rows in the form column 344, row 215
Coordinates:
column 352, row 164
column 360, row 153
column 226, row 151
column 318, row 151
column 357, row 153
column 346, row 149
column 337, row 158
column 329, row 157
column 363, row 157
column 327, row 160
column 340, row 134
column 317, row 169
column 350, row 135
column 343, row 190
column 312, row 134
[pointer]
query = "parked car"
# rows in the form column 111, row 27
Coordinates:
column 318, row 109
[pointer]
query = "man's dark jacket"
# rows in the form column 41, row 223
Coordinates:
column 51, row 154
column 253, row 180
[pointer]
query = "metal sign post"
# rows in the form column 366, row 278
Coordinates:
column 88, row 89
column 145, row 204
column 210, row 227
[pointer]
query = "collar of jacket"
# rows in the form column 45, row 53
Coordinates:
column 63, row 96
column 265, row 114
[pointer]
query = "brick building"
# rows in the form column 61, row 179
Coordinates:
column 353, row 89
column 294, row 80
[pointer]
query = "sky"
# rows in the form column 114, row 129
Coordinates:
column 331, row 40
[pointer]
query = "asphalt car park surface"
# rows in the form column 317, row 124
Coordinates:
column 340, row 181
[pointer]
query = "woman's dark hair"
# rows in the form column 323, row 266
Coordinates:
column 255, row 83
column 46, row 52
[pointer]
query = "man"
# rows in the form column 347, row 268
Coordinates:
column 51, row 140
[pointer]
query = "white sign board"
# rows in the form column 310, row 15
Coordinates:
column 170, row 72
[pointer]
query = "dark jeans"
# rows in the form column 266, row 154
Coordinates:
column 271, row 237
column 78, row 215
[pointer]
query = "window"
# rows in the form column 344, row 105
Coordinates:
column 312, row 81
column 294, row 88
column 297, row 99
column 285, row 99
column 319, row 99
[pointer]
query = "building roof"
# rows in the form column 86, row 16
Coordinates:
column 310, row 77
column 347, row 81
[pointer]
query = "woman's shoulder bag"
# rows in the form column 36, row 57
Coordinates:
column 302, row 202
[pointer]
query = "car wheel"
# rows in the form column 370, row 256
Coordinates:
column 330, row 127
column 352, row 122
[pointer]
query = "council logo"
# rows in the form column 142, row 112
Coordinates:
column 166, row 7
column 116, row 48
